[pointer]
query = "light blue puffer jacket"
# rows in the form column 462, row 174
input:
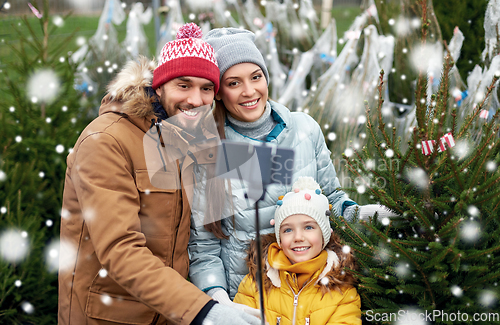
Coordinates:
column 221, row 263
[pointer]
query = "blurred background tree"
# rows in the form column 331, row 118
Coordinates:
column 468, row 15
column 41, row 116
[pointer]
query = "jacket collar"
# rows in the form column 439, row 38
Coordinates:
column 332, row 261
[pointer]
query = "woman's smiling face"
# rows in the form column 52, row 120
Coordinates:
column 244, row 92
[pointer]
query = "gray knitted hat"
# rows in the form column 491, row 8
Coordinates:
column 305, row 198
column 233, row 46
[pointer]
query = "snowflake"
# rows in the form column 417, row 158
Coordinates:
column 14, row 245
column 470, row 231
column 27, row 307
column 456, row 291
column 60, row 255
column 103, row 273
column 43, row 86
column 487, row 298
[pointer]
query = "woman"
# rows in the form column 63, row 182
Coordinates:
column 244, row 113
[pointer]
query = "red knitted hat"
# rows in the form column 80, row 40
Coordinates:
column 188, row 55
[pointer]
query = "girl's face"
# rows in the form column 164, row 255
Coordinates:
column 243, row 91
column 301, row 238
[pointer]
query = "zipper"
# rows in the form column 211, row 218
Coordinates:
column 296, row 300
column 295, row 303
column 307, row 320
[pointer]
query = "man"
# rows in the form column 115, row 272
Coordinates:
column 124, row 234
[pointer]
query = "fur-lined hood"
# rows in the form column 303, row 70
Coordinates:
column 336, row 270
column 129, row 89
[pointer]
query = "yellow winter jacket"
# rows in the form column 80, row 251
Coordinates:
column 328, row 297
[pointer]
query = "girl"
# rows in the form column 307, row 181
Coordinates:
column 305, row 280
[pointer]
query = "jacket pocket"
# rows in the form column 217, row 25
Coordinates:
column 121, row 310
column 160, row 208
column 160, row 211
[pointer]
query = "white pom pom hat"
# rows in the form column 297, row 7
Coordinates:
column 305, row 198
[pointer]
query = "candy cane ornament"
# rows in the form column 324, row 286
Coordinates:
column 445, row 142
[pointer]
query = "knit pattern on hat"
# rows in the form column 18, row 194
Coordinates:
column 305, row 198
column 188, row 55
column 234, row 46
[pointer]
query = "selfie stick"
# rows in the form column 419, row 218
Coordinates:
column 259, row 261
column 244, row 161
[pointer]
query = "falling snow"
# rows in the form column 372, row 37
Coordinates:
column 473, row 211
column 470, row 231
column 433, row 55
column 402, row 270
column 14, row 245
column 60, row 255
column 456, row 291
column 487, row 298
column 27, row 307
column 43, row 86
column 462, row 149
column 59, row 148
column 419, row 178
column 491, row 166
column 106, row 299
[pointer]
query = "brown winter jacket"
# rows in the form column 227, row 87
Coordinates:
column 114, row 219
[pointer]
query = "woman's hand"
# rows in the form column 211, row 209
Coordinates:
column 221, row 296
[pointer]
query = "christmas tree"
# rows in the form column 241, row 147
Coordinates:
column 440, row 260
column 41, row 115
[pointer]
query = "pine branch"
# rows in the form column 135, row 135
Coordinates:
column 410, row 259
column 476, row 111
column 454, row 172
column 493, row 195
column 480, row 162
column 407, row 155
column 473, row 256
column 449, row 227
column 34, row 42
column 486, row 279
column 381, row 124
column 422, row 218
column 454, row 120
